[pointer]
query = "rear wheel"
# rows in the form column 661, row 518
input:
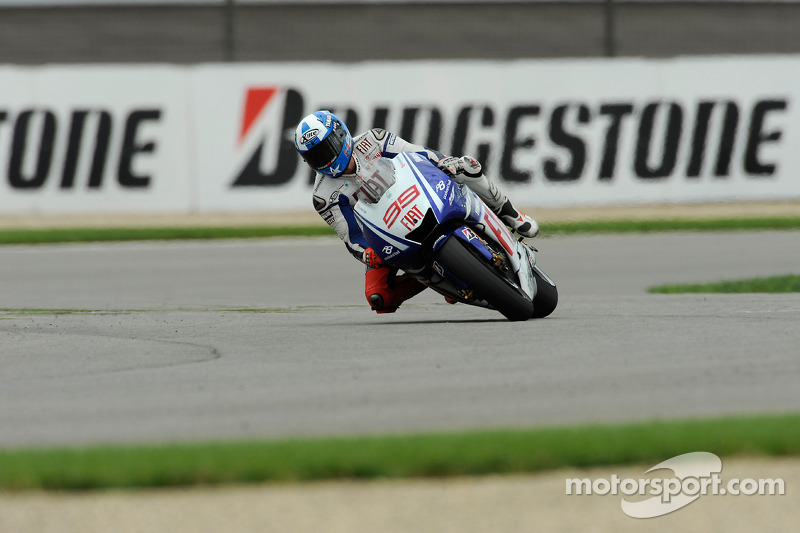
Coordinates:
column 487, row 283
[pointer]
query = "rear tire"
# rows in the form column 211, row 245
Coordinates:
column 484, row 280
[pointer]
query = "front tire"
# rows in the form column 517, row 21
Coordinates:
column 484, row 280
column 546, row 295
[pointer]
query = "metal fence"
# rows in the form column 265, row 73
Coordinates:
column 236, row 30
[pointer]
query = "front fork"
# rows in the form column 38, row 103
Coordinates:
column 520, row 255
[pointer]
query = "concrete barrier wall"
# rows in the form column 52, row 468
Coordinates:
column 303, row 31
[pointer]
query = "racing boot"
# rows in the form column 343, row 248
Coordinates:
column 517, row 220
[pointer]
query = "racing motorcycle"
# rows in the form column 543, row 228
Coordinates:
column 419, row 220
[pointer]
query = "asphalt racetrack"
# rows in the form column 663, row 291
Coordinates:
column 163, row 341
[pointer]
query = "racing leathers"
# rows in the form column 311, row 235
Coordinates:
column 334, row 199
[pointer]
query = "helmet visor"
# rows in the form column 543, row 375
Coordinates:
column 328, row 149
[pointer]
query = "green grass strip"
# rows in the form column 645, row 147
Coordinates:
column 650, row 226
column 418, row 456
column 772, row 284
column 40, row 236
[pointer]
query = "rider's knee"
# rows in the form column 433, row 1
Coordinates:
column 377, row 303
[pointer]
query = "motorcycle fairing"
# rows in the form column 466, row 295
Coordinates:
column 448, row 201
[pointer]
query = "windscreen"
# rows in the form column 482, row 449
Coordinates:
column 375, row 177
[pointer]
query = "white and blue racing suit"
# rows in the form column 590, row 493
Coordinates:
column 334, row 198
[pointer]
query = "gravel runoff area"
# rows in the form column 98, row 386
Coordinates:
column 462, row 505
column 309, row 217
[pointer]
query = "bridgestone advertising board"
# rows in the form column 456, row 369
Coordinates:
column 94, row 140
column 216, row 138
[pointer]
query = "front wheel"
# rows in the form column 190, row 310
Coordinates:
column 484, row 280
column 546, row 295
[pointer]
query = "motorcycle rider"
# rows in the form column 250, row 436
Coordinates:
column 324, row 142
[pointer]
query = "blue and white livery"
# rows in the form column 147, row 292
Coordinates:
column 334, row 198
column 419, row 220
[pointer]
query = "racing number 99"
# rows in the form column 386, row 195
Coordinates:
column 404, row 200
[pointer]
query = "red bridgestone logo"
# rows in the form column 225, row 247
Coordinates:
column 255, row 102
